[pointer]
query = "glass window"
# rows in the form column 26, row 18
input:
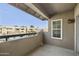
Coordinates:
column 56, row 29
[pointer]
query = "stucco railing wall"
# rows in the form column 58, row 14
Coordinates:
column 21, row 46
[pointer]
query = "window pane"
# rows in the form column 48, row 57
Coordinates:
column 57, row 33
column 56, row 24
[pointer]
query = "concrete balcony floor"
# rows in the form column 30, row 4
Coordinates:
column 50, row 50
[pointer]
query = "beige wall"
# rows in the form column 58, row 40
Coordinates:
column 22, row 46
column 76, row 10
column 68, row 31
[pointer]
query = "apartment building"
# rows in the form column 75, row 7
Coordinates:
column 20, row 30
column 9, row 30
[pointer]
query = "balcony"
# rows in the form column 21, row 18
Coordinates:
column 20, row 46
column 61, row 38
column 32, row 46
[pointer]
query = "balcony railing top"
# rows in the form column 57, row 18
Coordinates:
column 15, row 35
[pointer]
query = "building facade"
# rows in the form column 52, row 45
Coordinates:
column 10, row 30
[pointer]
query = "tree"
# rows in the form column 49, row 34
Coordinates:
column 31, row 28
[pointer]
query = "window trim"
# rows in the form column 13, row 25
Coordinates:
column 52, row 29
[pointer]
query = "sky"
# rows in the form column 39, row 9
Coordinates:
column 10, row 15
